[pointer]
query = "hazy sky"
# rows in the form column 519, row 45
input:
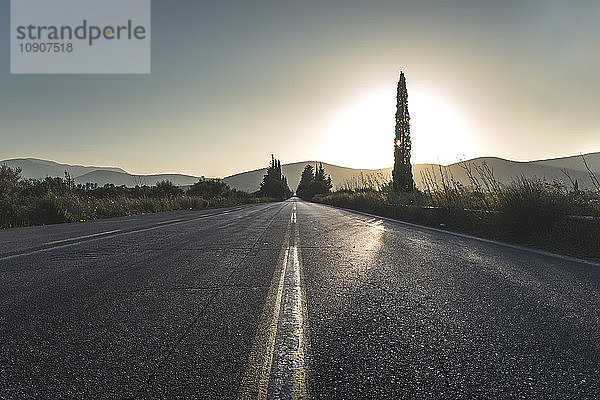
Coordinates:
column 233, row 82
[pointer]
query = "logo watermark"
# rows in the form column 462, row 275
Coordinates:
column 80, row 36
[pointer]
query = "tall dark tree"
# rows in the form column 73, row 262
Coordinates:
column 274, row 184
column 402, row 174
column 306, row 180
column 322, row 183
column 313, row 183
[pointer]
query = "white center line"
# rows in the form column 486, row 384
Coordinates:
column 277, row 364
column 288, row 375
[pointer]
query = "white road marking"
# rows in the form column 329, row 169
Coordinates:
column 105, row 235
column 169, row 222
column 277, row 364
column 288, row 375
column 81, row 237
column 467, row 236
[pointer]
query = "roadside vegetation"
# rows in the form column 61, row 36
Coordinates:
column 27, row 202
column 532, row 212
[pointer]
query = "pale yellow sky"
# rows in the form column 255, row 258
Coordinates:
column 232, row 83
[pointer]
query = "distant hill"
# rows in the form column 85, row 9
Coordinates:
column 33, row 168
column 504, row 170
column 102, row 177
column 507, row 171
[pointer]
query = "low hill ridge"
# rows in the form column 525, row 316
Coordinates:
column 504, row 170
column 34, row 168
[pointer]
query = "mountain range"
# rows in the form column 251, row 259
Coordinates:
column 505, row 171
column 33, row 168
column 563, row 169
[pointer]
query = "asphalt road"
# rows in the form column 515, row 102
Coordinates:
column 289, row 300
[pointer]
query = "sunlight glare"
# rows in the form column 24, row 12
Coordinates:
column 362, row 134
column 439, row 133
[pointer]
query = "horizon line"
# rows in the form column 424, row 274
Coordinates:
column 78, row 164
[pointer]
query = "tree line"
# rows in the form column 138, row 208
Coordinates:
column 274, row 183
column 313, row 182
column 27, row 202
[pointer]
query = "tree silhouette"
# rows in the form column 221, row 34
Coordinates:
column 315, row 183
column 304, row 187
column 402, row 174
column 322, row 183
column 274, row 184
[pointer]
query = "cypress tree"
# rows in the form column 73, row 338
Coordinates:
column 274, row 183
column 313, row 182
column 305, row 185
column 402, row 174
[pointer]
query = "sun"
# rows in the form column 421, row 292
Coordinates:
column 440, row 132
column 361, row 135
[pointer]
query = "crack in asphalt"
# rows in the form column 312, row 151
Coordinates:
column 200, row 314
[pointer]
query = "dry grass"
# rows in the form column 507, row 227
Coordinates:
column 527, row 211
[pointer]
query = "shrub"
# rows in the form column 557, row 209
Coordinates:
column 51, row 210
column 527, row 206
column 209, row 188
column 528, row 211
column 56, row 200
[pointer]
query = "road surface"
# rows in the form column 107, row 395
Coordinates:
column 289, row 300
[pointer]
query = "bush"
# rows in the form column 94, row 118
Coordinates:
column 56, row 200
column 528, row 206
column 209, row 188
column 167, row 189
column 50, row 210
column 528, row 211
